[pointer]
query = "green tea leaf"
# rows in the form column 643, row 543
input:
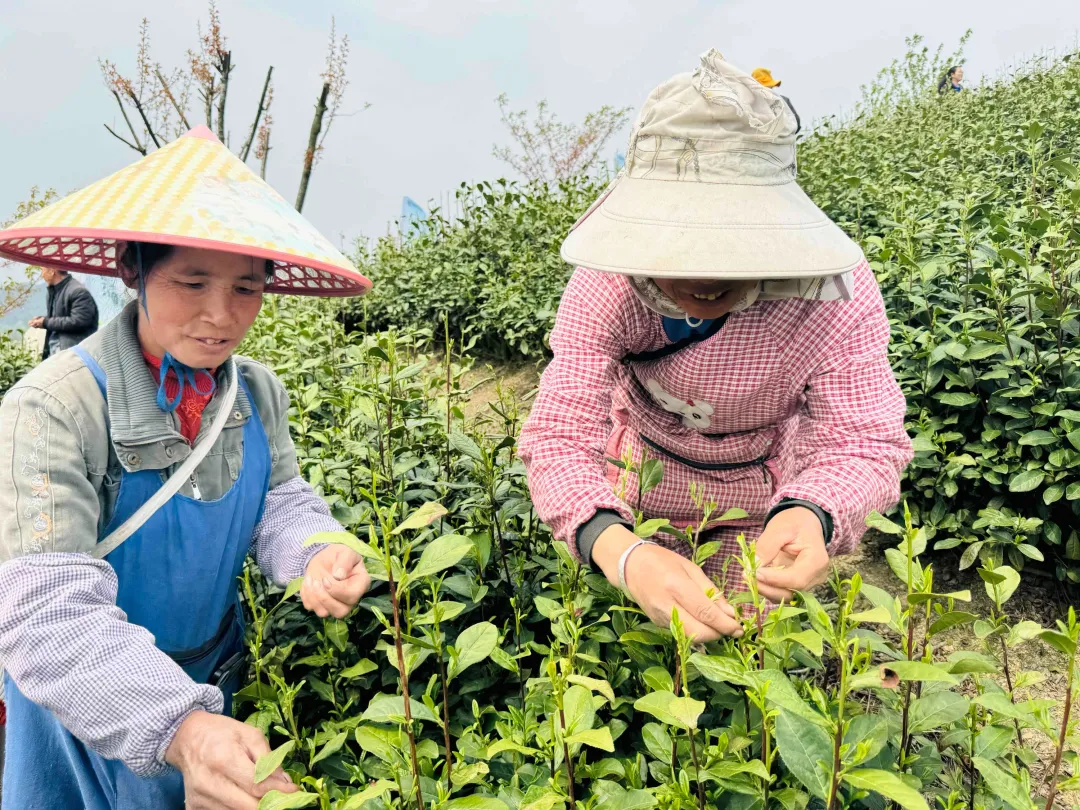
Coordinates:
column 501, row 746
column 993, row 741
column 595, row 738
column 936, row 710
column 1059, row 641
column 332, row 747
column 268, row 763
column 343, row 539
column 293, row 588
column 475, row 802
column 1005, row 586
column 372, row 791
column 424, row 516
column 806, row 750
column 718, row 668
column 1003, row 785
column 465, row 445
column 276, row 800
column 441, row 553
column 473, row 645
column 595, row 684
column 921, row 671
column 877, row 521
column 889, row 785
column 651, row 527
column 391, row 709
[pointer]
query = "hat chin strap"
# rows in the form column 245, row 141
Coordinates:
column 658, row 301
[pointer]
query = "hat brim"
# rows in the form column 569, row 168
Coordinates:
column 683, row 229
column 94, row 251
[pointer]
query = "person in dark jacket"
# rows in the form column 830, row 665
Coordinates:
column 71, row 313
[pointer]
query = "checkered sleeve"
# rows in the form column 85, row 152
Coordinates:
column 851, row 445
column 293, row 512
column 564, row 440
column 70, row 649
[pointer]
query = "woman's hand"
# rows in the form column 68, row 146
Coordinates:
column 334, row 582
column 659, row 580
column 792, row 554
column 217, row 757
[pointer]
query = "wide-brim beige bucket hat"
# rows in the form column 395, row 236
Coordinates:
column 709, row 191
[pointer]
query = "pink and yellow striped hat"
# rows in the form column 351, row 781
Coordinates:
column 192, row 193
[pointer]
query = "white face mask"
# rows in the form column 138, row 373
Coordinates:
column 657, row 300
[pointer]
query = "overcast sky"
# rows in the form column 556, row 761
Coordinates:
column 431, row 70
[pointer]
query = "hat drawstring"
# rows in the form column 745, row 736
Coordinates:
column 185, row 375
column 690, row 321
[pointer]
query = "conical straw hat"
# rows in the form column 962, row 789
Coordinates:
column 192, row 193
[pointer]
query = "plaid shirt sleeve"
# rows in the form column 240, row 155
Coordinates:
column 70, row 649
column 293, row 512
column 563, row 442
column 852, row 446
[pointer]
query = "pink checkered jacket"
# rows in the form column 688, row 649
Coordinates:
column 789, row 399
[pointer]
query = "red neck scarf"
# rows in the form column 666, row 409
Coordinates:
column 192, row 403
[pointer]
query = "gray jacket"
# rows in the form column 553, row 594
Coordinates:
column 71, row 316
column 62, row 638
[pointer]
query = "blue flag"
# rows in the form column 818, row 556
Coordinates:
column 413, row 218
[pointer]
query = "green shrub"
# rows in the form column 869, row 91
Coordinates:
column 486, row 670
column 968, row 207
column 495, row 272
column 15, row 360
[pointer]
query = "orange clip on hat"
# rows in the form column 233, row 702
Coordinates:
column 765, row 77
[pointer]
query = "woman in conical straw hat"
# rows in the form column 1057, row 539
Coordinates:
column 717, row 321
column 120, row 627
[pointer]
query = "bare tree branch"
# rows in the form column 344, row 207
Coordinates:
column 224, row 67
column 125, row 140
column 142, row 114
column 169, row 95
column 138, row 144
column 246, row 150
column 313, row 142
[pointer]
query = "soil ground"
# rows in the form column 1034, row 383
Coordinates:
column 1038, row 599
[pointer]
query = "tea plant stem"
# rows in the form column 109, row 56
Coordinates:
column 697, row 773
column 838, row 738
column 446, row 721
column 1066, row 711
column 1009, row 683
column 404, row 683
column 566, row 756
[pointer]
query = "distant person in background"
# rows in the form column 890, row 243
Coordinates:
column 952, row 79
column 71, row 313
column 764, row 77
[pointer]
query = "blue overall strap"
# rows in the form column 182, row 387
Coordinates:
column 95, row 369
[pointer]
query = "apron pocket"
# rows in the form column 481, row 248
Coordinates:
column 760, row 461
column 195, row 655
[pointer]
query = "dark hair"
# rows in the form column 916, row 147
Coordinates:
column 946, row 80
column 152, row 253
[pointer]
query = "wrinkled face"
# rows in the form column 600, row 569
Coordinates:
column 200, row 304
column 705, row 299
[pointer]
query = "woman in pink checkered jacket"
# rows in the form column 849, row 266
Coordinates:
column 719, row 321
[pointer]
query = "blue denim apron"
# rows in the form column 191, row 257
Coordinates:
column 177, row 578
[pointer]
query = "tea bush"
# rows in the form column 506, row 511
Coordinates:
column 968, row 207
column 495, row 271
column 15, row 360
column 486, row 670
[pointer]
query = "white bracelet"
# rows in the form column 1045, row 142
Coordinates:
column 625, row 556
